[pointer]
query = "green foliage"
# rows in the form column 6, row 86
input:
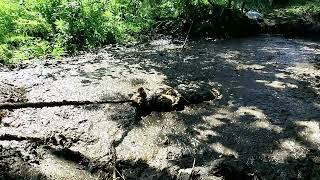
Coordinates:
column 254, row 4
column 37, row 28
column 76, row 24
column 284, row 3
column 298, row 7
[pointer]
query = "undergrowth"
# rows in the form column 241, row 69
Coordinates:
column 53, row 28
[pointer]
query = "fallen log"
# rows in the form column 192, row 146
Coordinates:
column 19, row 105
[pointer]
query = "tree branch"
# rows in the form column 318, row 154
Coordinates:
column 20, row 105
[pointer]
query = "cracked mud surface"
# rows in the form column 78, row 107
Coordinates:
column 266, row 125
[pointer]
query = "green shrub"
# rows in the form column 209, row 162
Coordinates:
column 37, row 28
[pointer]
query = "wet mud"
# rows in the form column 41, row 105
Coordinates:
column 263, row 122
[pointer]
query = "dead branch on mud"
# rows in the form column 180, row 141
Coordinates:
column 19, row 105
column 11, row 137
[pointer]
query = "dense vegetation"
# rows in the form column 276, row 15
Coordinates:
column 41, row 28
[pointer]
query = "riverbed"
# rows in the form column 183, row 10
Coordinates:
column 266, row 124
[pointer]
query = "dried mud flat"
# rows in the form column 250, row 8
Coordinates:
column 265, row 125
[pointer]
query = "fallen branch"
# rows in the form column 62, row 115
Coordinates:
column 11, row 137
column 114, row 161
column 19, row 105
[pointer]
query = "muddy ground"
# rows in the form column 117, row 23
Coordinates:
column 266, row 125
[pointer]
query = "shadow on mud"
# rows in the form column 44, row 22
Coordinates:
column 269, row 103
column 263, row 109
column 14, row 166
column 127, row 169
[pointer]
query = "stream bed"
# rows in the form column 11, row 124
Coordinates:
column 266, row 125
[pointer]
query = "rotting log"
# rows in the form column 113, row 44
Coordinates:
column 19, row 105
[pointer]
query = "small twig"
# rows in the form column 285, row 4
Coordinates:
column 114, row 160
column 158, row 25
column 185, row 41
column 192, row 169
column 120, row 174
column 222, row 11
column 153, row 32
column 185, row 99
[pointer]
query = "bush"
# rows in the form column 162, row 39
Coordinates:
column 36, row 28
column 39, row 27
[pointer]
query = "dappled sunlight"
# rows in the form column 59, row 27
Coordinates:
column 252, row 111
column 240, row 64
column 165, row 156
column 230, row 56
column 61, row 169
column 281, row 75
column 304, row 68
column 275, row 49
column 288, row 148
column 256, row 118
column 190, row 59
column 254, row 67
column 161, row 42
column 277, row 84
column 140, row 144
column 259, row 121
column 221, row 117
column 309, row 131
column 291, row 52
column 264, row 124
column 221, row 149
column 205, row 134
column 311, row 48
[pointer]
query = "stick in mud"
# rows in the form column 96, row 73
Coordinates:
column 19, row 105
column 11, row 137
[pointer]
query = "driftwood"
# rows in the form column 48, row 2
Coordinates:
column 19, row 105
